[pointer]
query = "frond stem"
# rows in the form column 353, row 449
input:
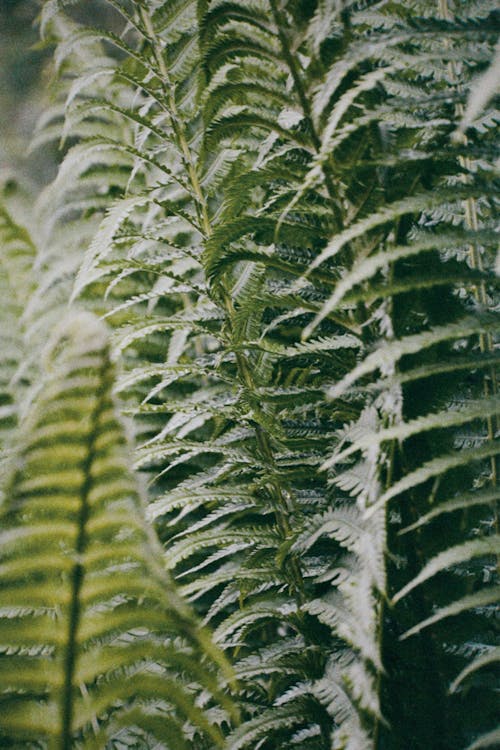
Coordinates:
column 78, row 573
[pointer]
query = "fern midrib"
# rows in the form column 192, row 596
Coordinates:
column 78, row 573
column 266, row 450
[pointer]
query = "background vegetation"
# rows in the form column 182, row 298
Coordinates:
column 257, row 507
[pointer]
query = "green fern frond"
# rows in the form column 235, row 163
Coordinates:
column 94, row 636
column 491, row 656
column 479, row 599
column 462, row 553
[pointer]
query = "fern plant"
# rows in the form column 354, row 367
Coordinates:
column 94, row 639
column 286, row 212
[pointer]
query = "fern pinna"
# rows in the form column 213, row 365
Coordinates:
column 277, row 209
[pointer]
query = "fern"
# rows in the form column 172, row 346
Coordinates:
column 285, row 212
column 94, row 638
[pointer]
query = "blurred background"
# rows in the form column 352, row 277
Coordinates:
column 22, row 68
column 25, row 74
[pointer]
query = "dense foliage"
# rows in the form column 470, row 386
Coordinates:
column 285, row 212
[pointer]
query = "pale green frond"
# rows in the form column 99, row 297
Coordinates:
column 433, row 468
column 490, row 739
column 391, row 352
column 109, row 562
column 483, row 90
column 463, row 501
column 479, row 547
column 367, row 268
column 342, row 524
column 17, row 254
column 101, row 244
column 282, row 717
column 482, row 598
column 404, row 430
column 412, row 204
column 490, row 657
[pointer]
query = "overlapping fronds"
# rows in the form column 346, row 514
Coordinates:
column 286, row 212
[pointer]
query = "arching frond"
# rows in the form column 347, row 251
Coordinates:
column 91, row 626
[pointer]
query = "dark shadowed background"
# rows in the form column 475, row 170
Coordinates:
column 21, row 99
column 24, row 74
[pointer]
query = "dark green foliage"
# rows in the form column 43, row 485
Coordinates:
column 277, row 210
